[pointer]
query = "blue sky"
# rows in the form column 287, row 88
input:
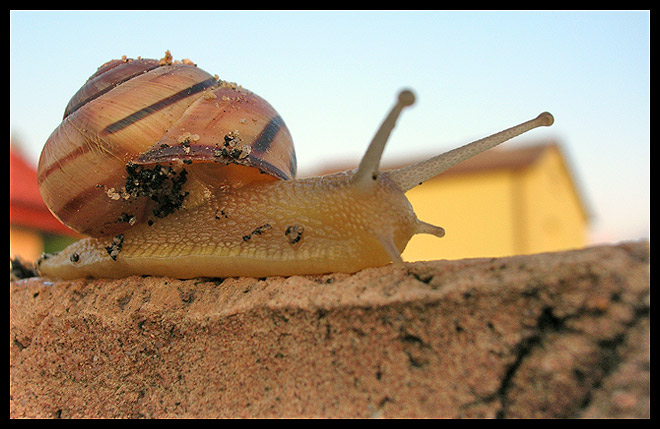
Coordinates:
column 332, row 75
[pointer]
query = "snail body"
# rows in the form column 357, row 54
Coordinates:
column 224, row 201
column 278, row 228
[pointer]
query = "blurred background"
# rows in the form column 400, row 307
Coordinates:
column 333, row 75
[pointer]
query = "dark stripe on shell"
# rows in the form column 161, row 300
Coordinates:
column 265, row 138
column 72, row 208
column 159, row 105
column 79, row 151
column 293, row 163
column 147, row 66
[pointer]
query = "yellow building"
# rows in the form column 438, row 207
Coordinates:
column 502, row 202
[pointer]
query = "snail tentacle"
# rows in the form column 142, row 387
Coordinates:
column 367, row 171
column 390, row 247
column 413, row 175
column 427, row 228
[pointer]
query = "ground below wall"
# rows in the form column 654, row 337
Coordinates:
column 551, row 335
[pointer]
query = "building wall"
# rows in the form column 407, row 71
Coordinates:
column 475, row 210
column 554, row 217
column 493, row 213
column 25, row 242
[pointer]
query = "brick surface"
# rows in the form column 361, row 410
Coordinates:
column 550, row 335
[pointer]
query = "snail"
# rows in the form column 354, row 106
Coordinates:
column 173, row 172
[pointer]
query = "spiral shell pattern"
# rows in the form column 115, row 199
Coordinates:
column 155, row 120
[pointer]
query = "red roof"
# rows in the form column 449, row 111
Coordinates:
column 26, row 208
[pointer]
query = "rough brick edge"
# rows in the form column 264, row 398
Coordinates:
column 333, row 310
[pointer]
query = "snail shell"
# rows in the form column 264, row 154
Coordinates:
column 115, row 159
